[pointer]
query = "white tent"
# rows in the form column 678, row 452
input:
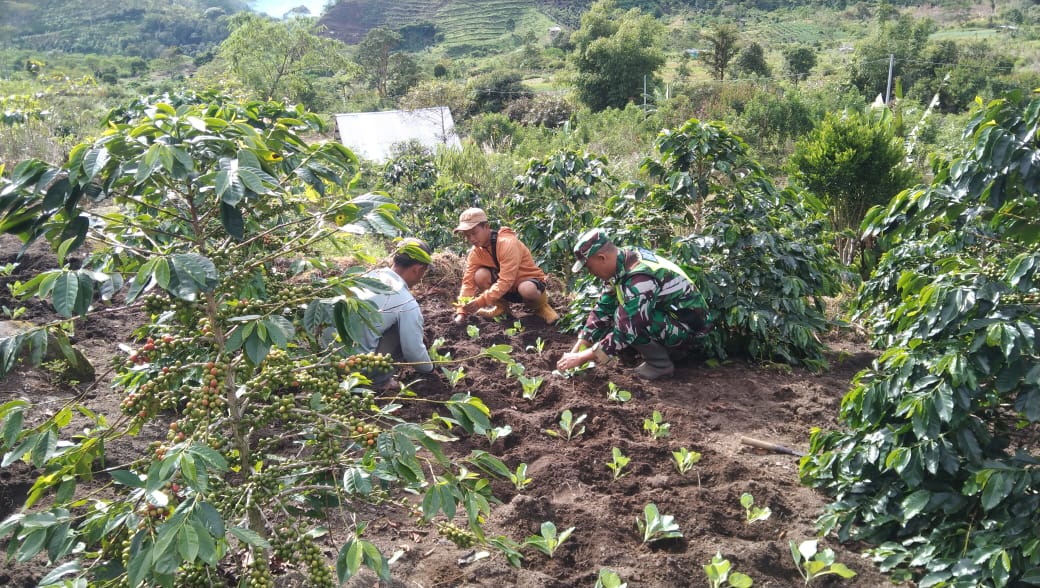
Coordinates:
column 372, row 134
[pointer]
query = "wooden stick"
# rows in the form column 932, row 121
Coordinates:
column 770, row 446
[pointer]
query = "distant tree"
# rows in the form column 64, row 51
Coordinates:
column 373, row 55
column 404, row 73
column 614, row 52
column 491, row 92
column 904, row 39
column 430, row 93
column 752, row 61
column 852, row 162
column 272, row 58
column 799, row 61
column 724, row 43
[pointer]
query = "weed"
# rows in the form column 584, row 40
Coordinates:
column 618, row 463
column 812, row 564
column 753, row 513
column 548, row 542
column 654, row 526
column 569, row 426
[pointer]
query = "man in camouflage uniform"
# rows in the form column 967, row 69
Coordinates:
column 649, row 304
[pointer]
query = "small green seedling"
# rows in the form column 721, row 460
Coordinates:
column 538, row 347
column 617, row 465
column 654, row 526
column 616, row 394
column 473, row 331
column 609, row 579
column 495, row 433
column 548, row 542
column 656, row 427
column 812, row 564
column 753, row 513
column 13, row 314
column 720, row 575
column 520, row 479
column 516, row 329
column 569, row 425
column 515, row 369
column 435, row 351
column 454, row 376
column 685, row 460
column 531, row 385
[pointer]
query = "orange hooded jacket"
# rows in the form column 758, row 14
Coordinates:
column 515, row 265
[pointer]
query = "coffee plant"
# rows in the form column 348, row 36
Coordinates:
column 210, row 217
column 936, row 466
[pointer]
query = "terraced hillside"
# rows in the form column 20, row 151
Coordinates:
column 461, row 26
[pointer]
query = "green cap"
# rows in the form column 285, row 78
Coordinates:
column 588, row 244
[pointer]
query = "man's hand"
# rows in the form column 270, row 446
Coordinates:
column 574, row 359
column 469, row 308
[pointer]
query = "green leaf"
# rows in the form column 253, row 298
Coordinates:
column 66, row 289
column 349, row 561
column 249, row 537
column 188, row 543
column 127, row 478
column 231, row 218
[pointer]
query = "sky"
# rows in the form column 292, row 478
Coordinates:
column 278, row 8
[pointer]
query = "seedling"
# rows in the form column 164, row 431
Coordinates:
column 539, row 346
column 520, row 479
column 720, row 576
column 618, row 464
column 435, row 351
column 617, row 394
column 753, row 513
column 495, row 433
column 812, row 564
column 473, row 331
column 516, row 329
column 569, row 426
column 655, row 527
column 685, row 459
column 454, row 375
column 548, row 542
column 515, row 369
column 609, row 579
column 656, row 426
column 531, row 385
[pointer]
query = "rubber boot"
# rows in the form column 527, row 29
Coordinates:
column 501, row 307
column 541, row 308
column 656, row 363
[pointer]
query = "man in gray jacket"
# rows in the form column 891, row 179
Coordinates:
column 400, row 330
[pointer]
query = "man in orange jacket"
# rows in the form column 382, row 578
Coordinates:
column 499, row 270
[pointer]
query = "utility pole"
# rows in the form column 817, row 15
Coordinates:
column 644, row 95
column 888, row 90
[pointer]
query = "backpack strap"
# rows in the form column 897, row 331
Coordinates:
column 494, row 249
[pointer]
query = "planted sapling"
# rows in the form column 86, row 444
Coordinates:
column 812, row 564
column 753, row 513
column 609, row 579
column 720, row 574
column 616, row 394
column 685, row 459
column 569, row 425
column 454, row 375
column 654, row 526
column 516, row 329
column 531, row 385
column 473, row 331
column 548, row 542
column 515, row 369
column 495, row 433
column 520, row 479
column 618, row 463
column 538, row 347
column 656, row 426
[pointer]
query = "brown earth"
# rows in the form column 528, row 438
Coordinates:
column 709, row 409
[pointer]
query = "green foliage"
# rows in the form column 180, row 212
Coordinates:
column 276, row 59
column 812, row 563
column 904, row 39
column 570, row 426
column 618, row 462
column 548, row 541
column 724, row 43
column 799, row 61
column 656, row 427
column 206, row 212
column 753, row 513
column 657, row 527
column 609, row 579
column 721, row 575
column 751, row 60
column 932, row 466
column 685, row 459
column 615, row 51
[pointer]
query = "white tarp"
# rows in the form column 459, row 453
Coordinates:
column 371, row 134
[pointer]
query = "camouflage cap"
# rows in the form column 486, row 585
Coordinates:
column 587, row 245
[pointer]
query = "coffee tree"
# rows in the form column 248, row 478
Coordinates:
column 210, row 216
column 937, row 465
